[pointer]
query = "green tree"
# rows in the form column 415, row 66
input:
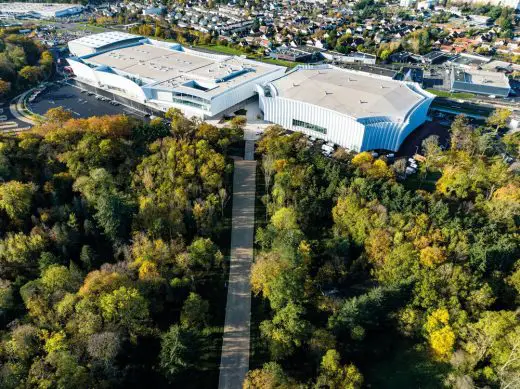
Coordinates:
column 31, row 73
column 127, row 308
column 334, row 376
column 194, row 312
column 176, row 349
column 16, row 198
column 286, row 331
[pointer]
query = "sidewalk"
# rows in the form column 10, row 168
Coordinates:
column 234, row 363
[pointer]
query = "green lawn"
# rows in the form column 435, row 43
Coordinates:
column 453, row 95
column 90, row 28
column 221, row 49
column 232, row 51
column 278, row 62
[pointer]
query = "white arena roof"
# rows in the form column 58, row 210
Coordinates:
column 97, row 41
column 348, row 92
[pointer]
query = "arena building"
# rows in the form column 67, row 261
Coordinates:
column 356, row 110
column 38, row 10
column 164, row 75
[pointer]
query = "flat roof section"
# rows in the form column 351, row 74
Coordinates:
column 370, row 69
column 150, row 61
column 351, row 93
column 171, row 69
column 470, row 60
column 97, row 41
column 479, row 77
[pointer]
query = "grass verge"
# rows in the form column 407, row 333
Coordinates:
column 452, row 95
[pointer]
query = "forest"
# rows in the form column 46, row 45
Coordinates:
column 23, row 62
column 114, row 251
column 113, row 241
column 364, row 279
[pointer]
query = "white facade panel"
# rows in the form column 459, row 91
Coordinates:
column 340, row 129
column 165, row 96
column 120, row 85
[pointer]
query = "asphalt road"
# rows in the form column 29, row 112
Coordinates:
column 413, row 142
column 10, row 118
column 80, row 104
column 235, row 346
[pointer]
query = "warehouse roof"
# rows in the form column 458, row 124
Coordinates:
column 349, row 92
column 479, row 77
column 97, row 41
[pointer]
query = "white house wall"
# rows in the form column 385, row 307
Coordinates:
column 110, row 81
column 341, row 129
column 121, row 85
column 83, row 72
column 415, row 118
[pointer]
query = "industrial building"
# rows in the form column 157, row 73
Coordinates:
column 479, row 82
column 38, row 10
column 353, row 57
column 515, row 4
column 164, row 75
column 356, row 110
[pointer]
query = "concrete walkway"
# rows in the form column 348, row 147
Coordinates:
column 234, row 362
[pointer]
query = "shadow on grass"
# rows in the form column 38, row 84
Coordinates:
column 405, row 365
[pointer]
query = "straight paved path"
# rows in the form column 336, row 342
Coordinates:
column 234, row 362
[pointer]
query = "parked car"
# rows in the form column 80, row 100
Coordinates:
column 410, row 170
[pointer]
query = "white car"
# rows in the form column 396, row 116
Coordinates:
column 410, row 170
column 3, row 118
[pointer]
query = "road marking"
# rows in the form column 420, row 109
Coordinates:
column 8, row 125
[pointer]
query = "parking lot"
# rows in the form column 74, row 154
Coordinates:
column 80, row 104
column 413, row 143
